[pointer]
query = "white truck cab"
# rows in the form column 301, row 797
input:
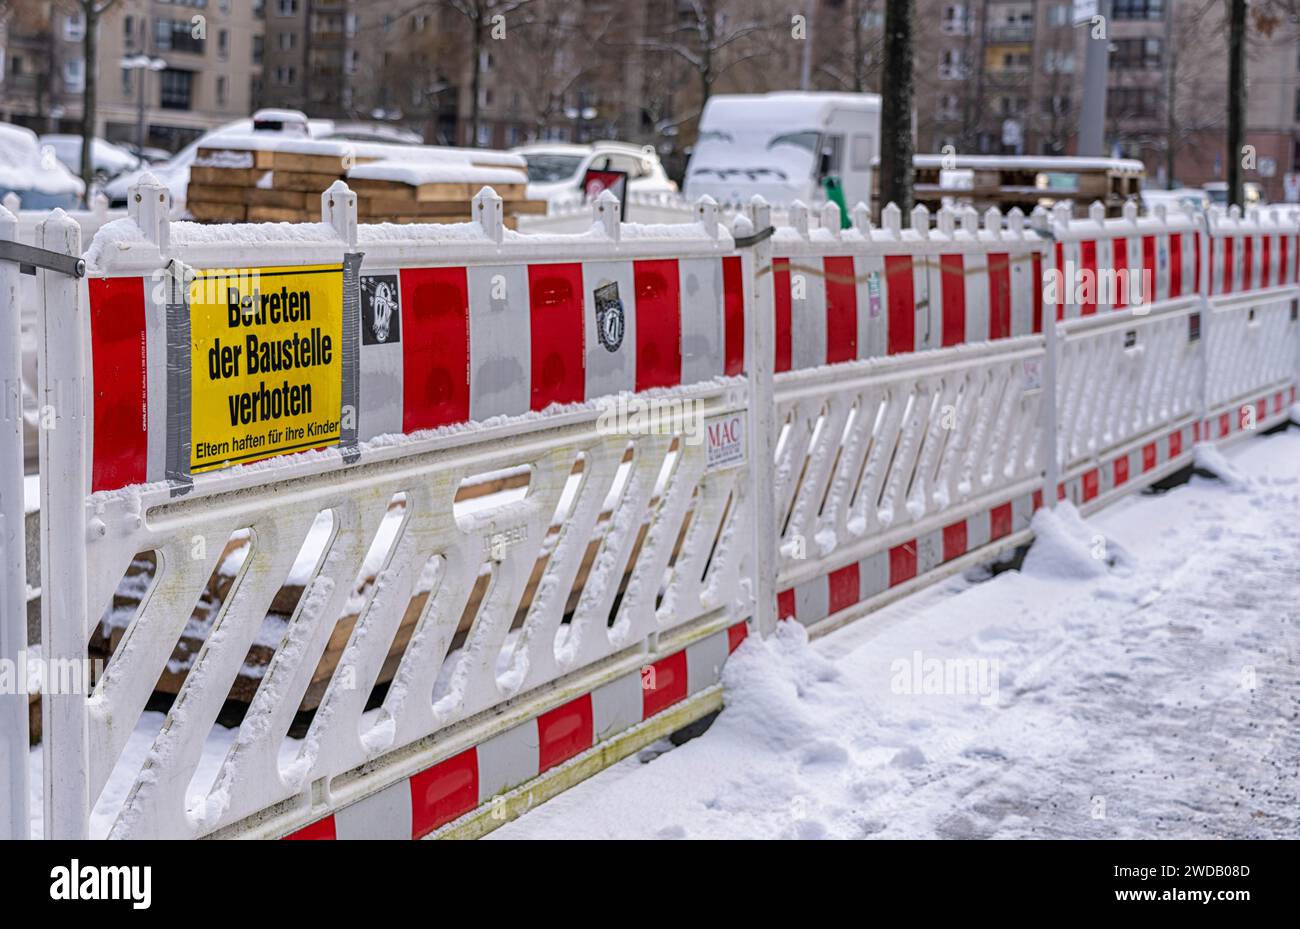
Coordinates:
column 784, row 145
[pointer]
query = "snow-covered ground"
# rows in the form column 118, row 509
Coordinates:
column 1137, row 678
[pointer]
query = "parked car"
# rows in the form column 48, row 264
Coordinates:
column 374, row 132
column 42, row 183
column 1218, row 192
column 1176, row 199
column 555, row 170
column 106, row 159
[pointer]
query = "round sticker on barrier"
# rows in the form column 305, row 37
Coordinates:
column 609, row 316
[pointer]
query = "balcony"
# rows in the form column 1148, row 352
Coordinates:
column 1010, row 32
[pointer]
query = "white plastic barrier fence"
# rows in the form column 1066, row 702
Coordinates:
column 13, row 571
column 896, row 394
column 667, row 509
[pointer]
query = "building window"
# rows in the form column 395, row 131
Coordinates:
column 74, row 75
column 174, row 35
column 287, row 41
column 222, row 93
column 258, row 46
column 127, row 86
column 1059, row 14
column 954, row 20
column 287, row 7
column 952, row 65
column 74, row 27
column 1139, row 9
column 1137, row 54
column 223, row 45
column 352, row 61
column 1132, row 102
column 128, row 29
column 175, row 92
column 285, row 75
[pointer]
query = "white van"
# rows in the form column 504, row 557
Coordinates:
column 783, row 145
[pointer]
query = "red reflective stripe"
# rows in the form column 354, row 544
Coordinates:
column 1119, row 260
column 435, row 347
column 321, row 829
column 841, row 310
column 119, row 364
column 555, row 307
column 566, row 730
column 1038, row 500
column 444, row 792
column 1121, row 470
column 782, row 308
column 1266, row 263
column 1176, row 264
column 952, row 283
column 902, row 563
column 999, row 295
column 1247, row 261
column 954, row 540
column 733, row 293
column 1149, row 455
column 1088, row 259
column 1060, row 281
column 1227, row 265
column 1000, row 521
column 1091, row 484
column 902, row 305
column 1175, row 444
column 1038, row 291
column 658, row 323
column 1149, row 275
column 785, row 608
column 663, row 684
column 735, row 635
column 842, row 588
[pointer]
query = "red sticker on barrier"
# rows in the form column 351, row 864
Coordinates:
column 555, row 303
column 841, row 310
column 733, row 292
column 999, row 295
column 902, row 304
column 322, row 829
column 782, row 308
column 954, row 540
column 658, row 323
column 1000, row 521
column 842, row 588
column 785, row 605
column 902, row 563
column 444, row 792
column 564, row 732
column 119, row 364
column 663, row 684
column 435, row 347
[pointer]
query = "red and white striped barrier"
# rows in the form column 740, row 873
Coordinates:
column 1105, row 264
column 1254, row 252
column 870, row 292
column 420, row 804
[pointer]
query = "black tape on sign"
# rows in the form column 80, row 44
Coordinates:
column 350, row 399
column 178, row 379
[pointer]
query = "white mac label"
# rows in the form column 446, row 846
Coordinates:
column 726, row 441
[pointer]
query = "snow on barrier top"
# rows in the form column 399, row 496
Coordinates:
column 384, row 329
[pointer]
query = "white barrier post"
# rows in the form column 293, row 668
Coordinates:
column 1052, row 226
column 760, row 341
column 62, row 409
column 14, row 816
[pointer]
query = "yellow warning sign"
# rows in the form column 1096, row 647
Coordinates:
column 266, row 373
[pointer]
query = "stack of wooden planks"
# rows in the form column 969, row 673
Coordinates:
column 234, row 184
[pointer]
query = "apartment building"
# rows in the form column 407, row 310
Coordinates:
column 205, row 55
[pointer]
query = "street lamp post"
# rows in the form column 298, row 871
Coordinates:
column 143, row 64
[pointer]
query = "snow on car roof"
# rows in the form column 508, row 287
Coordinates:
column 1028, row 163
column 23, row 168
column 259, row 141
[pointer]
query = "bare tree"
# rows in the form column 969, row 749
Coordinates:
column 896, row 171
column 484, row 17
column 91, row 11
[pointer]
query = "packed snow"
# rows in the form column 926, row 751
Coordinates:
column 1135, row 678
